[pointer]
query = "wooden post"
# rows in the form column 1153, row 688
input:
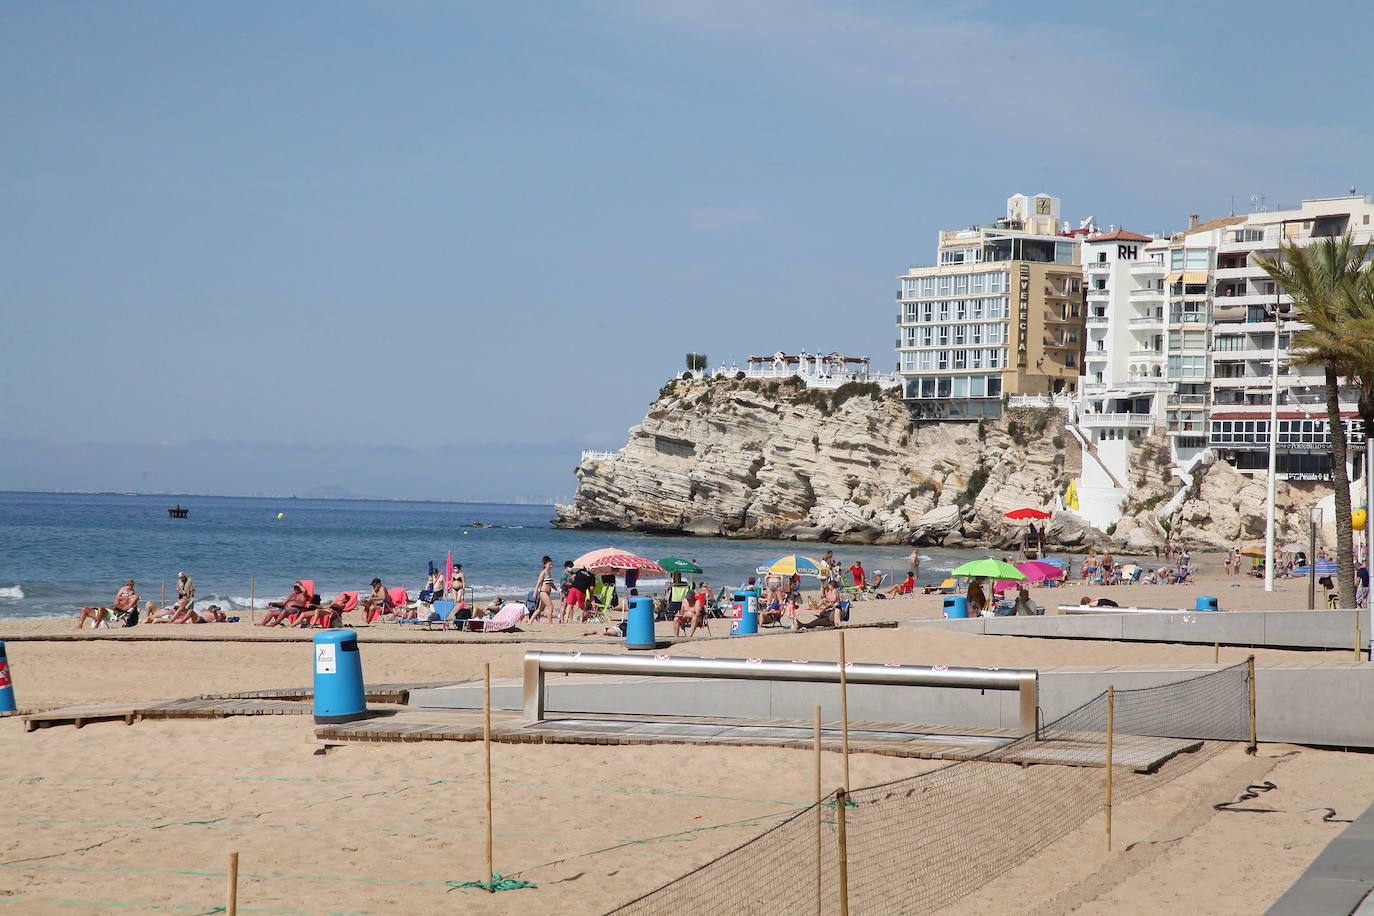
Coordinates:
column 842, row 799
column 231, row 902
column 1216, row 653
column 818, row 810
column 486, row 743
column 1254, row 744
column 844, row 713
column 1111, row 711
column 164, row 594
column 252, row 596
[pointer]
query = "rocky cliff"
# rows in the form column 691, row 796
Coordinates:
column 775, row 459
column 778, row 460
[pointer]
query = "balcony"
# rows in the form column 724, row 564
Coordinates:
column 1238, row 273
column 1149, row 266
column 1131, row 420
column 1097, row 267
column 1252, row 300
column 1096, row 356
column 1147, row 354
column 1187, row 427
column 1147, row 295
column 1096, row 321
column 1149, row 321
column 1187, row 400
column 1099, row 295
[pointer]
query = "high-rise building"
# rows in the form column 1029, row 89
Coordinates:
column 1000, row 313
column 1243, row 329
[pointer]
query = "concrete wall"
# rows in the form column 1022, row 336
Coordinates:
column 1325, row 703
column 1267, row 629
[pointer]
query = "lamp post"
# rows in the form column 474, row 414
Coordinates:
column 1273, row 449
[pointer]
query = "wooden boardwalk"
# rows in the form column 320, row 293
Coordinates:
column 934, row 742
column 190, row 708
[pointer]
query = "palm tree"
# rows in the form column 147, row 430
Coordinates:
column 1315, row 277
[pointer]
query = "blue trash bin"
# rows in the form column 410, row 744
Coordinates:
column 6, row 683
column 338, row 678
column 639, row 625
column 955, row 606
column 1206, row 603
column 744, row 615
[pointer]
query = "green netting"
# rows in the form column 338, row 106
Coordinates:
column 920, row 843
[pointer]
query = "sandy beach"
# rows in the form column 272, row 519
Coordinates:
column 145, row 815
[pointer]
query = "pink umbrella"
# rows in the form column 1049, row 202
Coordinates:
column 448, row 572
column 1035, row 571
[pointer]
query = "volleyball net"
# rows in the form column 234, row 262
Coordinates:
column 920, row 843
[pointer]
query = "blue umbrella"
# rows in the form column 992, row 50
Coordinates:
column 1055, row 561
column 1323, row 569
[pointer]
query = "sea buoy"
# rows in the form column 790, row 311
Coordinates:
column 281, row 515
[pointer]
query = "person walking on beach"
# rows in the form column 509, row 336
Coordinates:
column 375, row 601
column 914, row 561
column 856, row 572
column 1107, row 566
column 543, row 589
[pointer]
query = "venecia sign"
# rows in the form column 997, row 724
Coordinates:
column 1023, row 317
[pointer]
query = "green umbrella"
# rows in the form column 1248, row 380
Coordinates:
column 990, row 568
column 677, row 564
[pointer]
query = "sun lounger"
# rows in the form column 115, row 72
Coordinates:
column 944, row 588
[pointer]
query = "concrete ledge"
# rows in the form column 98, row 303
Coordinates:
column 1339, row 879
column 1289, row 700
column 1266, row 629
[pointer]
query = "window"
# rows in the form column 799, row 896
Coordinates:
column 961, row 285
column 994, row 386
column 942, row 387
column 927, row 336
column 925, row 360
column 942, row 310
column 941, row 359
column 942, row 287
column 1176, row 259
column 942, row 335
column 978, row 386
column 1195, row 259
column 960, row 309
column 976, row 308
column 977, row 282
column 927, row 311
column 960, row 359
column 1073, row 338
column 975, row 359
column 927, row 387
column 1077, row 286
column 927, row 286
column 997, row 282
column 1073, row 310
column 960, row 386
column 959, row 334
column 1102, row 257
column 975, row 334
column 908, row 337
column 1070, row 360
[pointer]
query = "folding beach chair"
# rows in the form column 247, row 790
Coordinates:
column 312, row 601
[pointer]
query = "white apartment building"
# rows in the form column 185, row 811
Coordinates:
column 1243, row 329
column 1180, row 337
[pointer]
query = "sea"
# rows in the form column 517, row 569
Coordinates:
column 62, row 551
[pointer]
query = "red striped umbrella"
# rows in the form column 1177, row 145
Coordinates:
column 610, row 559
column 1023, row 514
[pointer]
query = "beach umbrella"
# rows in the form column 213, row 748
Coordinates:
column 605, row 561
column 791, row 564
column 1055, row 561
column 448, row 571
column 1257, row 552
column 1026, row 514
column 1295, row 547
column 1035, row 571
column 678, row 564
column 990, row 568
column 1324, row 568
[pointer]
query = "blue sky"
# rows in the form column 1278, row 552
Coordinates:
column 435, row 250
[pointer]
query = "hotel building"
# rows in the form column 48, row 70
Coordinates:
column 1000, row 313
column 1243, row 329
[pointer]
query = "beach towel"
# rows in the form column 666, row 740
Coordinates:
column 510, row 614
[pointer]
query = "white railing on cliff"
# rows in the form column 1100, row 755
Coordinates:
column 1062, row 401
column 592, row 454
column 811, row 380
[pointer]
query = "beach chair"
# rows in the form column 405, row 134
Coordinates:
column 312, row 601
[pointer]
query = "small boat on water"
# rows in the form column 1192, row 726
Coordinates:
column 178, row 512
